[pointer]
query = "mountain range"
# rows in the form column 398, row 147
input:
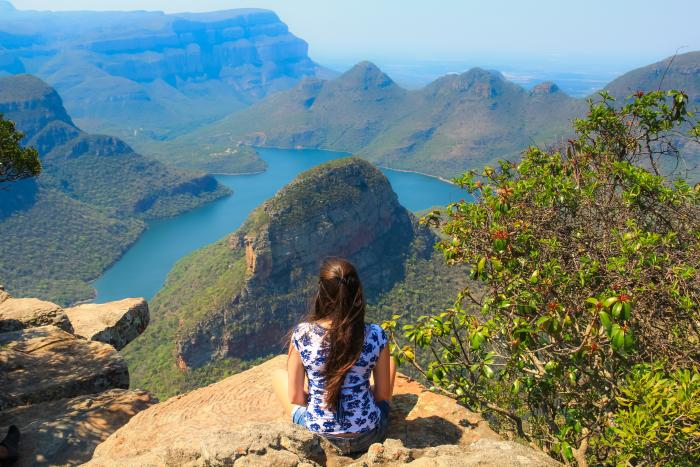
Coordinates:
column 459, row 122
column 62, row 229
column 148, row 75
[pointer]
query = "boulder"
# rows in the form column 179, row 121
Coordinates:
column 238, row 420
column 114, row 323
column 484, row 452
column 66, row 431
column 22, row 313
column 250, row 444
column 46, row 363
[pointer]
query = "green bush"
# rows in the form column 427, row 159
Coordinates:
column 658, row 419
column 16, row 162
column 587, row 261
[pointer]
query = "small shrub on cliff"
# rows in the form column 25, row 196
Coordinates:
column 16, row 162
column 658, row 419
column 588, row 266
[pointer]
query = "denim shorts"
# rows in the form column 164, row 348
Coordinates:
column 361, row 442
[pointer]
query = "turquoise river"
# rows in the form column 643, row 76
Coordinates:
column 142, row 270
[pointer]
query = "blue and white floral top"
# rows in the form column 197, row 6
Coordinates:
column 358, row 411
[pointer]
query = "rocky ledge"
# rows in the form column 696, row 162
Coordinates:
column 237, row 421
column 62, row 381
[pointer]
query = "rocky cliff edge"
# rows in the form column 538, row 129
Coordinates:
column 238, row 421
column 62, row 381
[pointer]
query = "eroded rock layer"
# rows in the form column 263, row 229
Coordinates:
column 65, row 393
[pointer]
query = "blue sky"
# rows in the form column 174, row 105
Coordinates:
column 590, row 31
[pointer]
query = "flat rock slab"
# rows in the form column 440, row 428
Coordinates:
column 22, row 313
column 66, row 432
column 114, row 323
column 186, row 424
column 46, row 363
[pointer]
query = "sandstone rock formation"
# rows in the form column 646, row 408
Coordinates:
column 65, row 393
column 239, row 421
column 45, row 363
column 114, row 323
column 66, row 431
column 21, row 313
column 237, row 297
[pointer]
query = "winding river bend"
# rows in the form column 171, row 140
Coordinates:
column 142, row 270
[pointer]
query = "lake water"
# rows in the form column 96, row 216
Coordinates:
column 141, row 272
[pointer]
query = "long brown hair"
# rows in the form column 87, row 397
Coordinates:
column 339, row 298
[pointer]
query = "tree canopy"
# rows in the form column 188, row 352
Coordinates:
column 16, row 162
column 581, row 329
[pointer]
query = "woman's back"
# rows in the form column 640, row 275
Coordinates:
column 357, row 410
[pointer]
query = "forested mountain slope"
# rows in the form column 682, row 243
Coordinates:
column 459, row 122
column 66, row 226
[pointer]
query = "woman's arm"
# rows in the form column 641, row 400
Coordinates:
column 295, row 370
column 382, row 376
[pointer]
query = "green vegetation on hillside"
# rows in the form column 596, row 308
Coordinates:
column 583, row 336
column 16, row 162
column 90, row 203
column 457, row 122
column 232, row 159
column 194, row 287
column 54, row 247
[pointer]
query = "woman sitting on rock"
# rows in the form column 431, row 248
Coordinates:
column 337, row 352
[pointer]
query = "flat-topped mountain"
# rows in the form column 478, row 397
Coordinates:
column 457, row 122
column 147, row 74
column 232, row 302
column 63, row 228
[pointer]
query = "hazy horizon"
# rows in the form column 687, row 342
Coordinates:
column 541, row 34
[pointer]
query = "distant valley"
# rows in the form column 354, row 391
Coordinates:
column 198, row 90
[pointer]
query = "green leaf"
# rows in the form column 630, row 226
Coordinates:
column 605, row 321
column 610, row 301
column 480, row 266
column 617, row 337
column 515, row 388
column 626, row 311
column 616, row 309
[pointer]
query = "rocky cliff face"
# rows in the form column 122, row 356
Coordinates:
column 238, row 421
column 66, row 393
column 89, row 201
column 144, row 75
column 345, row 208
column 232, row 302
column 250, row 50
